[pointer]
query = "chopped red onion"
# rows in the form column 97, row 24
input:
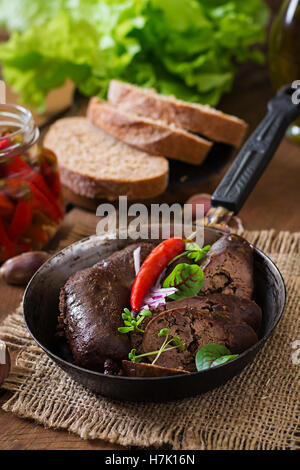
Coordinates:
column 137, row 259
column 157, row 296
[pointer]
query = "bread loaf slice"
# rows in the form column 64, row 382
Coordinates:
column 198, row 118
column 94, row 164
column 146, row 134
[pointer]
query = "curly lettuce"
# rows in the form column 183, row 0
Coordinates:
column 189, row 48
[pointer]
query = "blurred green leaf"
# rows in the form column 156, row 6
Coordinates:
column 184, row 47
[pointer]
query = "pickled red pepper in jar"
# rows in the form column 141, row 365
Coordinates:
column 31, row 202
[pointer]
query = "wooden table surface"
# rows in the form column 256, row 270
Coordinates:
column 274, row 203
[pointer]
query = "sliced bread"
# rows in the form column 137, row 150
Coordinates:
column 197, row 118
column 96, row 165
column 155, row 137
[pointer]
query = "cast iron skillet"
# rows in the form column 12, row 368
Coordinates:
column 40, row 303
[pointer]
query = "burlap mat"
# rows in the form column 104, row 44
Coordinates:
column 259, row 409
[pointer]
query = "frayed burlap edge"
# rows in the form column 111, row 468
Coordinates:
column 259, row 409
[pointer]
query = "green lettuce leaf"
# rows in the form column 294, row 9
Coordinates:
column 188, row 48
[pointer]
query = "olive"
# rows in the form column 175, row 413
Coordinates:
column 20, row 269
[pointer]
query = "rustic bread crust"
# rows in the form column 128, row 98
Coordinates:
column 86, row 186
column 201, row 119
column 62, row 139
column 146, row 134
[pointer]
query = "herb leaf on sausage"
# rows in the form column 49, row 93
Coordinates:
column 212, row 355
column 187, row 278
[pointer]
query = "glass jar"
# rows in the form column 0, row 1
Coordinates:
column 284, row 52
column 31, row 202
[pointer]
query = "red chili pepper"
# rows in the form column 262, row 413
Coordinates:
column 49, row 169
column 5, row 242
column 151, row 268
column 4, row 143
column 18, row 167
column 47, row 154
column 18, row 189
column 21, row 220
column 56, row 185
column 51, row 177
column 46, row 169
column 6, row 206
column 41, row 202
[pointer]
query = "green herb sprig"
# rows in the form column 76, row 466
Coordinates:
column 193, row 251
column 132, row 323
column 165, row 332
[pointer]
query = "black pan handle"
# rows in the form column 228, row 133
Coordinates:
column 257, row 152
